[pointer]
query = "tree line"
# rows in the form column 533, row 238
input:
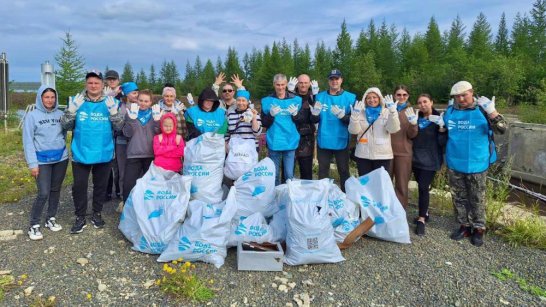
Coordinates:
column 510, row 64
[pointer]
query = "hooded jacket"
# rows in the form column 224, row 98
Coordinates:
column 44, row 140
column 140, row 137
column 168, row 152
column 200, row 121
column 375, row 144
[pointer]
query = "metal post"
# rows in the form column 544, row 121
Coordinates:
column 48, row 75
column 4, row 89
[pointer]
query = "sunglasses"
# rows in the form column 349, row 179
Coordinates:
column 227, row 91
column 404, row 95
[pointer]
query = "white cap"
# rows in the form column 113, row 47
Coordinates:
column 460, row 87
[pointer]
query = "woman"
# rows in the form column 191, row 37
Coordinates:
column 206, row 116
column 44, row 143
column 169, row 103
column 373, row 120
column 244, row 121
column 427, row 155
column 402, row 144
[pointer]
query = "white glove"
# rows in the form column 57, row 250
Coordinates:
column 112, row 105
column 389, row 103
column 108, row 91
column 360, row 107
column 337, row 111
column 316, row 109
column 314, row 87
column 178, row 107
column 247, row 116
column 437, row 119
column 75, row 103
column 133, row 111
column 156, row 112
column 292, row 83
column 486, row 104
column 450, row 102
column 293, row 109
column 412, row 116
column 274, row 110
column 190, row 99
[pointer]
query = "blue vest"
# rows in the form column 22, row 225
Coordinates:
column 206, row 121
column 332, row 133
column 283, row 134
column 93, row 140
column 470, row 148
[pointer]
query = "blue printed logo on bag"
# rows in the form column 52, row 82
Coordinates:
column 156, row 213
column 257, row 231
column 241, row 229
column 258, row 190
column 204, row 248
column 184, row 244
column 366, row 202
column 246, row 176
column 336, row 204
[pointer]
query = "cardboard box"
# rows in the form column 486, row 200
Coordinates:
column 253, row 260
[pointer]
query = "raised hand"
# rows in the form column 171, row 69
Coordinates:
column 156, row 112
column 314, row 87
column 237, row 81
column 133, row 111
column 190, row 99
column 316, row 109
column 274, row 110
column 437, row 119
column 74, row 103
column 111, row 105
column 293, row 109
column 411, row 115
column 178, row 107
column 221, row 78
column 486, row 104
column 337, row 111
column 390, row 103
column 292, row 83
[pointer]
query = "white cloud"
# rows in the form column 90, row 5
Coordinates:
column 184, row 43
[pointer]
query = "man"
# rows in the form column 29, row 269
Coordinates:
column 112, row 88
column 469, row 152
column 227, row 102
column 307, row 90
column 92, row 116
column 332, row 112
column 278, row 112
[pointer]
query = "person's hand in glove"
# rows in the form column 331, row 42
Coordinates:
column 358, row 109
column 74, row 103
column 179, row 107
column 292, row 83
column 108, row 91
column 437, row 119
column 412, row 116
column 314, row 87
column 390, row 103
column 293, row 109
column 316, row 109
column 111, row 105
column 133, row 111
column 274, row 110
column 337, row 111
column 190, row 99
column 486, row 104
column 156, row 112
column 248, row 115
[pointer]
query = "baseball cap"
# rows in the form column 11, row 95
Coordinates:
column 335, row 73
column 94, row 73
column 111, row 74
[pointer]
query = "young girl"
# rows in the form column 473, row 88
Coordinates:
column 169, row 146
column 47, row 158
column 141, row 124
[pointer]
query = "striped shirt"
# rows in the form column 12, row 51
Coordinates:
column 240, row 128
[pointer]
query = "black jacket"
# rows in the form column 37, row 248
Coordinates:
column 305, row 127
column 428, row 146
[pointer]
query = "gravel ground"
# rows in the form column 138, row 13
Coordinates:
column 433, row 270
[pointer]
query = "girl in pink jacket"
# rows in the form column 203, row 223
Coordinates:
column 168, row 146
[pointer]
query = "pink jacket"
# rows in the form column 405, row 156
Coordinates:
column 169, row 148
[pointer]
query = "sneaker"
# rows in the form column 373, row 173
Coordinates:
column 420, row 229
column 97, row 221
column 79, row 225
column 52, row 224
column 461, row 233
column 120, row 207
column 34, row 233
column 477, row 237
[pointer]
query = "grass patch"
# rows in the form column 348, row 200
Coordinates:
column 505, row 275
column 532, row 113
column 526, row 231
column 179, row 281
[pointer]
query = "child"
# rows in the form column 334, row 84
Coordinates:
column 45, row 152
column 169, row 146
column 142, row 123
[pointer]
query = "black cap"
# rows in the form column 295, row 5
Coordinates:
column 94, row 73
column 335, row 73
column 111, row 74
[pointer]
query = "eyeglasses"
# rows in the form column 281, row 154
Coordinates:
column 227, row 91
column 404, row 95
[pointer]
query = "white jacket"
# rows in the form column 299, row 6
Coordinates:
column 376, row 143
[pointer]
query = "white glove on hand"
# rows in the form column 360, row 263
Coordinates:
column 486, row 104
column 314, row 87
column 293, row 109
column 75, row 103
column 337, row 111
column 133, row 111
column 178, row 107
column 316, row 109
column 412, row 116
column 247, row 116
column 389, row 103
column 360, row 107
column 190, row 99
column 108, row 91
column 292, row 83
column 274, row 110
column 437, row 119
column 156, row 112
column 112, row 105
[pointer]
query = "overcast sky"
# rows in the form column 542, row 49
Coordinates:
column 150, row 31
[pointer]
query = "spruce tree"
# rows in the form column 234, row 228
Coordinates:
column 70, row 71
column 128, row 74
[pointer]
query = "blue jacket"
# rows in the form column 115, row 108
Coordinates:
column 282, row 134
column 333, row 133
column 44, row 140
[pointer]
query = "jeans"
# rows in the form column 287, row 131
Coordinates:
column 342, row 162
column 287, row 157
column 49, row 182
column 80, row 171
column 424, row 180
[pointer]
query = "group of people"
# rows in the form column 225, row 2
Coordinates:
column 118, row 131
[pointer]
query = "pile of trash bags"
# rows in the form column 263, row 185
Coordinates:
column 185, row 216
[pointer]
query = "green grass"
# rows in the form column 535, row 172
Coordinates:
column 506, row 275
column 526, row 231
column 532, row 113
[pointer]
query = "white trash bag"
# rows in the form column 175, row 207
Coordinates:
column 204, row 234
column 253, row 228
column 204, row 161
column 256, row 190
column 242, row 156
column 344, row 214
column 155, row 208
column 279, row 220
column 310, row 236
column 376, row 197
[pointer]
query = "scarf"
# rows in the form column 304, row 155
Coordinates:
column 372, row 113
column 144, row 116
column 401, row 107
column 423, row 122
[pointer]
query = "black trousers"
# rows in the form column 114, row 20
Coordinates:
column 134, row 169
column 342, row 162
column 80, row 171
column 424, row 180
column 306, row 167
column 365, row 166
